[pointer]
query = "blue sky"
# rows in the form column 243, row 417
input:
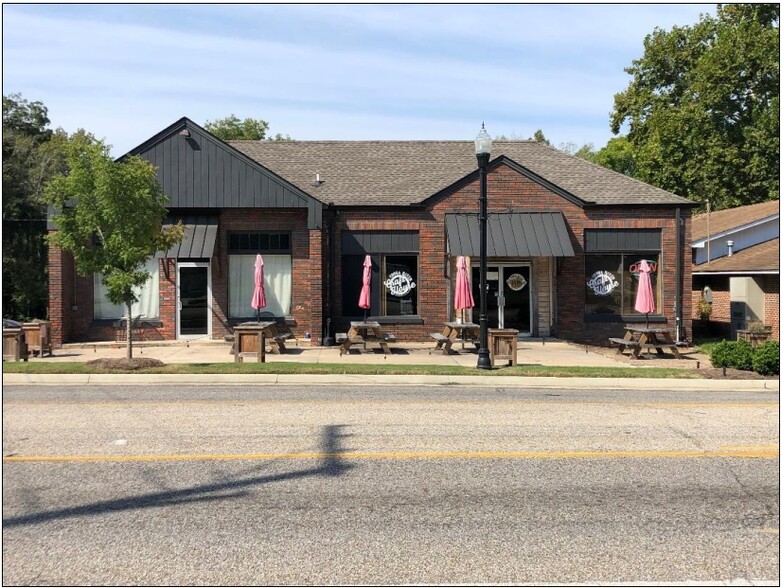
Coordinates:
column 330, row 71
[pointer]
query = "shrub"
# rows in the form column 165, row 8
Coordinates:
column 733, row 354
column 766, row 358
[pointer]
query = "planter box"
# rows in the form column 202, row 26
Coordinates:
column 756, row 339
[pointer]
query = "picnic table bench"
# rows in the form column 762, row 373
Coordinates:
column 444, row 343
column 363, row 332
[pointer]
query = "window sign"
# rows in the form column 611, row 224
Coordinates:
column 399, row 284
column 516, row 282
column 602, row 283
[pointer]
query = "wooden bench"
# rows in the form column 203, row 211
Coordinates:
column 345, row 342
column 277, row 335
column 443, row 343
column 623, row 343
column 638, row 347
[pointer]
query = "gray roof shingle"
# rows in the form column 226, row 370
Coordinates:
column 399, row 173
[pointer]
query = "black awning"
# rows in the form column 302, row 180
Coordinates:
column 200, row 234
column 510, row 234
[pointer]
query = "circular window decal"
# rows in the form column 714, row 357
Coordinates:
column 516, row 282
column 399, row 283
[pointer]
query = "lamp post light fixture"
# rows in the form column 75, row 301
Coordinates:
column 483, row 153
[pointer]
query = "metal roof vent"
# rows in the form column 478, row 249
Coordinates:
column 318, row 182
column 730, row 244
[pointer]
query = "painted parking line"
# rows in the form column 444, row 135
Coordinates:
column 760, row 452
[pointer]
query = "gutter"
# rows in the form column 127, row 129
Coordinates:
column 679, row 276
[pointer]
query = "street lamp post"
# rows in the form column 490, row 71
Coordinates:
column 483, row 153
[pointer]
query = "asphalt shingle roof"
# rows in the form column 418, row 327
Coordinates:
column 399, row 173
column 762, row 257
column 731, row 218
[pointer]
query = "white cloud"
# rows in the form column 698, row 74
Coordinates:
column 378, row 71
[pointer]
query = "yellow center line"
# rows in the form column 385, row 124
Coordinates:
column 763, row 452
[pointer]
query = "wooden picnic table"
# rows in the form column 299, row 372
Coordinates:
column 644, row 339
column 454, row 332
column 364, row 332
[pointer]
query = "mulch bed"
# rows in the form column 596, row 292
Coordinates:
column 124, row 364
column 688, row 361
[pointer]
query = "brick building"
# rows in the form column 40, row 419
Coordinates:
column 735, row 267
column 564, row 237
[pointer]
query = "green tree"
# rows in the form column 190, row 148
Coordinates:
column 110, row 216
column 539, row 136
column 31, row 156
column 618, row 156
column 232, row 128
column 702, row 107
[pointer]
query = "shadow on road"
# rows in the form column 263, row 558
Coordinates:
column 330, row 465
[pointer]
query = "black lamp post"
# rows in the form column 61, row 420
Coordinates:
column 483, row 152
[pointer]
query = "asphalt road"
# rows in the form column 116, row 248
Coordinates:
column 285, row 485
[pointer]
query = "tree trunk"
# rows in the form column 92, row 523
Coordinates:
column 129, row 332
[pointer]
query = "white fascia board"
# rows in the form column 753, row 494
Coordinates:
column 733, row 230
column 735, row 273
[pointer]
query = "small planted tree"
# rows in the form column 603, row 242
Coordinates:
column 110, row 217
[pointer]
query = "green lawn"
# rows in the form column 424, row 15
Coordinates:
column 336, row 369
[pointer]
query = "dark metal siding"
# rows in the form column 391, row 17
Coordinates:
column 511, row 234
column 201, row 172
column 367, row 242
column 200, row 234
column 597, row 240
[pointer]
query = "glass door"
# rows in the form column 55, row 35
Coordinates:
column 508, row 299
column 516, row 298
column 193, row 292
column 492, row 299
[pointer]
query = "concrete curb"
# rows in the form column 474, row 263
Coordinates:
column 389, row 380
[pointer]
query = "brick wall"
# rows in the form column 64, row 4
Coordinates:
column 509, row 190
column 313, row 271
column 770, row 286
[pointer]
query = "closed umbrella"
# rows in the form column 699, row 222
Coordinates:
column 463, row 298
column 365, row 300
column 259, row 294
column 645, row 293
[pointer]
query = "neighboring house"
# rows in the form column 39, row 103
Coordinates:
column 563, row 238
column 735, row 266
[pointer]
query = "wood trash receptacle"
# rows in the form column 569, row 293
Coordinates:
column 39, row 339
column 503, row 344
column 249, row 341
column 14, row 345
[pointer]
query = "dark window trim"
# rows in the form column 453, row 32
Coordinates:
column 623, row 318
column 288, row 251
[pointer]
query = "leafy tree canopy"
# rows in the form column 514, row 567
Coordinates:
column 31, row 156
column 232, row 128
column 702, row 107
column 110, row 217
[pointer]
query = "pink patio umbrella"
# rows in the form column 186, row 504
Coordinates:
column 365, row 300
column 645, row 294
column 464, row 298
column 259, row 294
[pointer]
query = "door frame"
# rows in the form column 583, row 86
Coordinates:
column 500, row 267
column 207, row 265
column 502, row 280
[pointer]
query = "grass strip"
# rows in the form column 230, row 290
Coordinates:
column 337, row 369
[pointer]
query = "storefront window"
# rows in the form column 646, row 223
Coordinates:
column 148, row 297
column 612, row 279
column 394, row 284
column 400, row 285
column 277, row 269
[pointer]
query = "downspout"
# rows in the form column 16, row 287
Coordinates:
column 327, row 337
column 678, row 277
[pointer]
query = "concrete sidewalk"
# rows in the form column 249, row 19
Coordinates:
column 530, row 352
